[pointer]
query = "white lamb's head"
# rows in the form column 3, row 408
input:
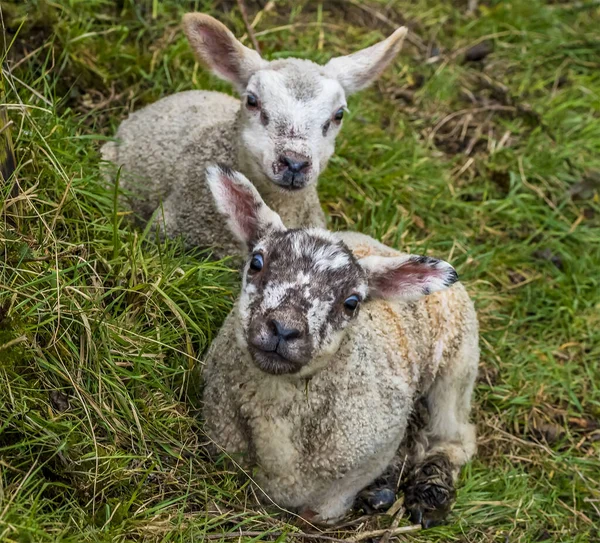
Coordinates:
column 292, row 109
column 303, row 287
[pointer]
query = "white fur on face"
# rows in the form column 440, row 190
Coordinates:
column 275, row 292
column 297, row 102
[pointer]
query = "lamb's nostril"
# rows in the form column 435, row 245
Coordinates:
column 294, row 163
column 283, row 332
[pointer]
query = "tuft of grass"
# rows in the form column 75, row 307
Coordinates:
column 492, row 164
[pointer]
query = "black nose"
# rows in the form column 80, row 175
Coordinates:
column 294, row 163
column 284, row 333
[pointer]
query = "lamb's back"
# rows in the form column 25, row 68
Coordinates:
column 168, row 143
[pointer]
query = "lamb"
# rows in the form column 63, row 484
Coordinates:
column 316, row 373
column 281, row 135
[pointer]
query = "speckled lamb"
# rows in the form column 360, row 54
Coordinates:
column 281, row 136
column 332, row 343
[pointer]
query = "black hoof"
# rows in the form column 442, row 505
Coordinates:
column 427, row 519
column 375, row 500
column 429, row 491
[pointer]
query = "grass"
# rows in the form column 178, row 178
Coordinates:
column 492, row 164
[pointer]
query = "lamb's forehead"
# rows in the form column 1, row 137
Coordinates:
column 299, row 79
column 312, row 255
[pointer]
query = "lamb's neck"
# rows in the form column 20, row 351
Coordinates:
column 283, row 389
column 297, row 209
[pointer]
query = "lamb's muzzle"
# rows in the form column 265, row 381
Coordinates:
column 292, row 170
column 278, row 342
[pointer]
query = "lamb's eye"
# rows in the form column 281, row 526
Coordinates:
column 351, row 303
column 339, row 115
column 257, row 262
column 251, row 101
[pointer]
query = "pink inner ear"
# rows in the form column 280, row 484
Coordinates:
column 406, row 278
column 221, row 53
column 243, row 207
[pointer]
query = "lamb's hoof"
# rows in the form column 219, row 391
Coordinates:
column 429, row 491
column 374, row 500
column 308, row 515
column 427, row 519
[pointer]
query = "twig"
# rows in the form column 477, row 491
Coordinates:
column 232, row 535
column 396, row 512
column 319, row 537
column 30, row 89
column 54, row 256
column 29, row 55
column 520, row 441
column 269, row 7
column 473, row 4
column 61, row 204
column 537, row 190
column 392, row 533
column 455, row 114
column 248, row 26
column 6, row 126
column 298, row 25
column 411, row 37
column 581, row 515
column 13, row 342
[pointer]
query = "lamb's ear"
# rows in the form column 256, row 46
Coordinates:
column 248, row 217
column 358, row 70
column 217, row 47
column 407, row 277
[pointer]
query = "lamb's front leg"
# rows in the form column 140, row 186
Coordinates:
column 331, row 505
column 224, row 424
column 445, row 443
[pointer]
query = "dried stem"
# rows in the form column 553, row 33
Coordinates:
column 248, row 26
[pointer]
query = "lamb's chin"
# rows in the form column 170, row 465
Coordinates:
column 273, row 363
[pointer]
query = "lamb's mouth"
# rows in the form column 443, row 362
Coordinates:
column 272, row 362
column 288, row 181
column 291, row 186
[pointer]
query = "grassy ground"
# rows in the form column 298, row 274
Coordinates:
column 493, row 164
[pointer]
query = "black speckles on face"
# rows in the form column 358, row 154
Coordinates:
column 286, row 129
column 264, row 118
column 307, row 277
column 304, row 89
column 302, row 78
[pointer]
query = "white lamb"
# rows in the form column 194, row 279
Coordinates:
column 281, row 135
column 333, row 342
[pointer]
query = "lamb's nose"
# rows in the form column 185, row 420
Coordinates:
column 295, row 163
column 282, row 332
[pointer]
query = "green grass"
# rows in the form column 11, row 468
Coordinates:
column 102, row 327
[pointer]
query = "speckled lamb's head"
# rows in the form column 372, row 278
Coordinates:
column 303, row 288
column 292, row 109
